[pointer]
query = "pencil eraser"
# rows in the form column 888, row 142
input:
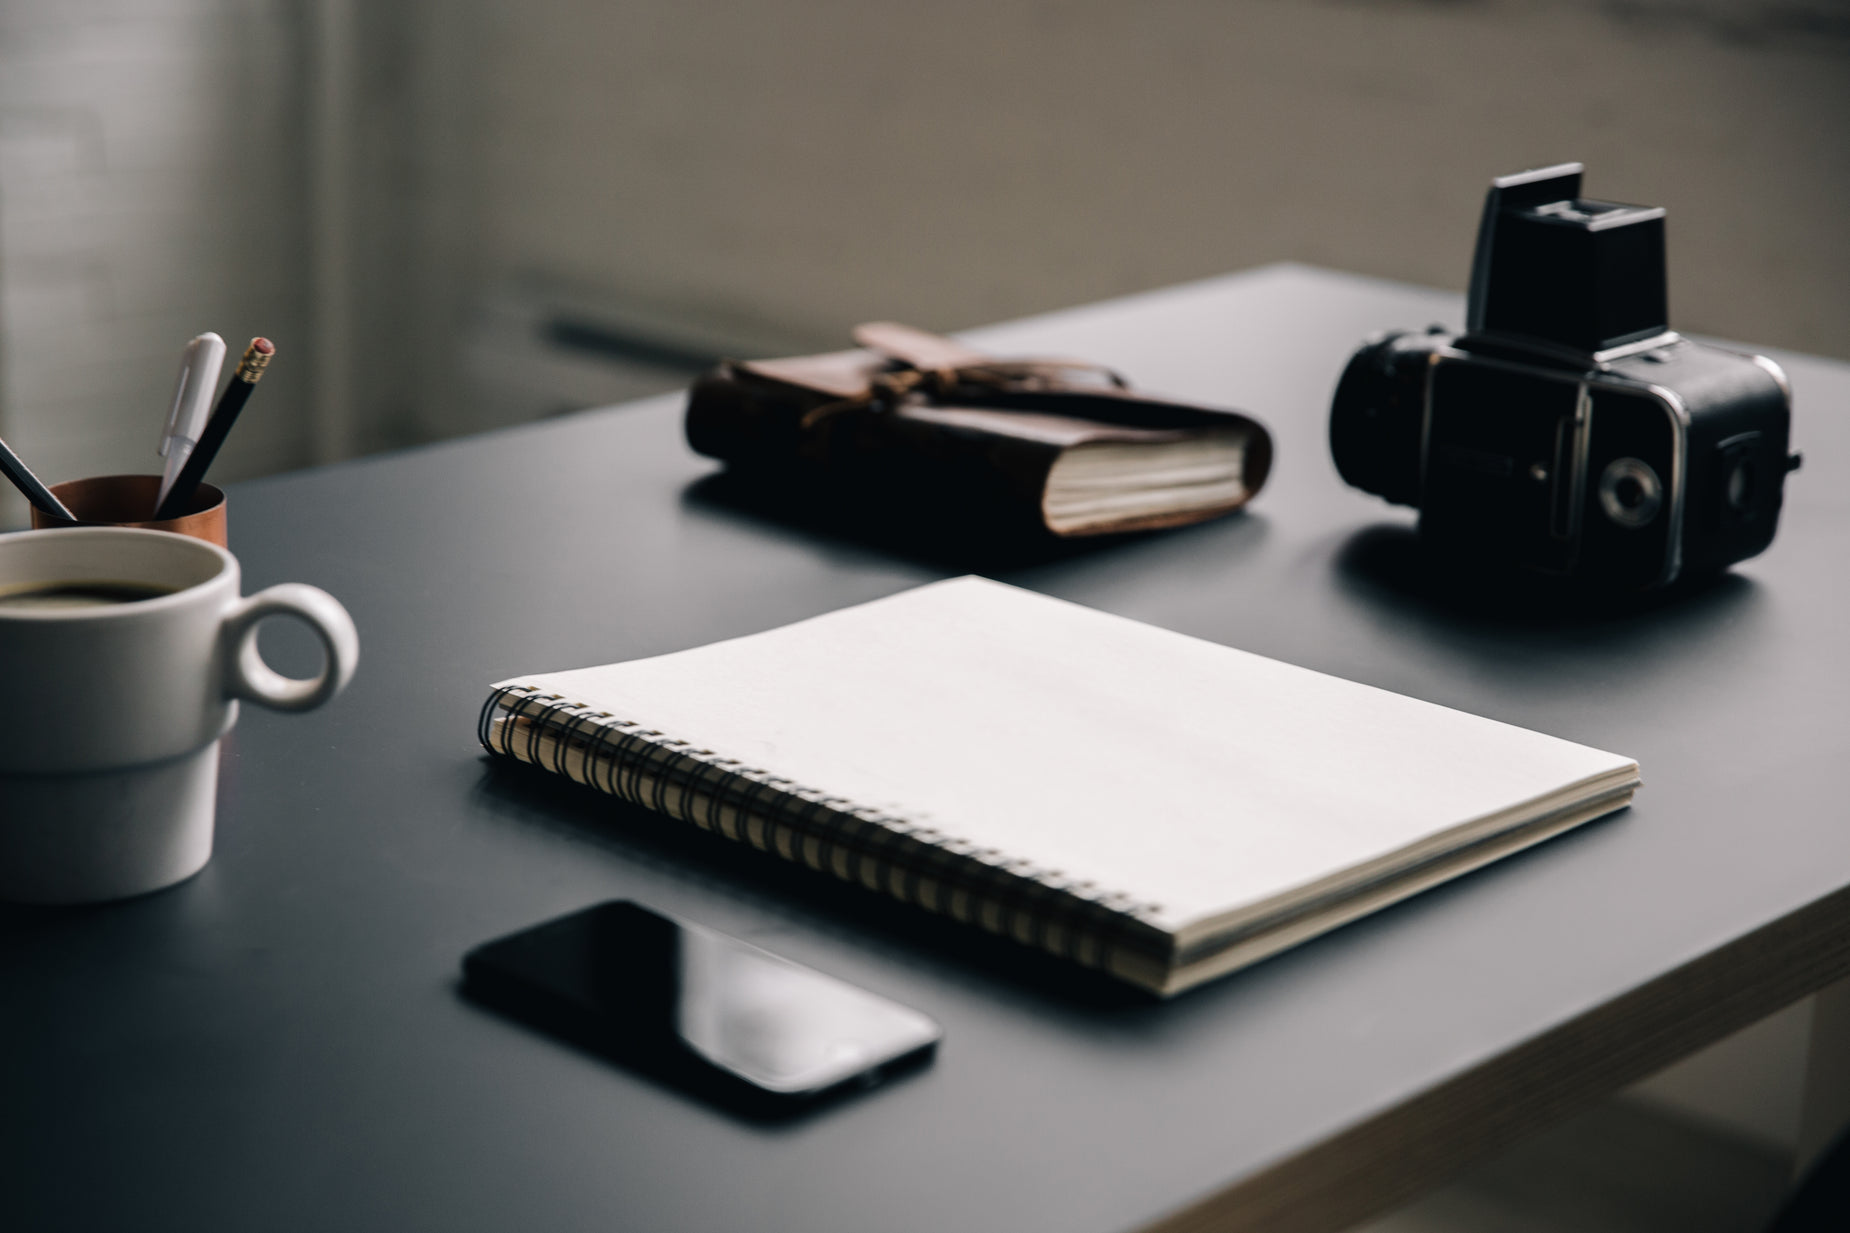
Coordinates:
column 264, row 346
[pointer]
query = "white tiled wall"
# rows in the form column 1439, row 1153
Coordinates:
column 150, row 189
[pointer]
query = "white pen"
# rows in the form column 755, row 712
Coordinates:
column 192, row 405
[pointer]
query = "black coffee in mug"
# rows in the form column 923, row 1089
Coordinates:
column 63, row 596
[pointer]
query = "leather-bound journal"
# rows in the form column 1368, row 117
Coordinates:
column 1152, row 805
column 1056, row 446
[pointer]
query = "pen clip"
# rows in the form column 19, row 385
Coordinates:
column 188, row 358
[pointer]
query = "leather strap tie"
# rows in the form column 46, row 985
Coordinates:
column 972, row 381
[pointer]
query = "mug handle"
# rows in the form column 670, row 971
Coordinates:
column 247, row 676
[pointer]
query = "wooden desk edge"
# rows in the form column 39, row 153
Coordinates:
column 1405, row 1152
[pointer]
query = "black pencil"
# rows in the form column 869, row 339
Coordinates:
column 15, row 469
column 237, row 390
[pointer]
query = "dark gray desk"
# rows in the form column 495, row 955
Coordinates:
column 278, row 1044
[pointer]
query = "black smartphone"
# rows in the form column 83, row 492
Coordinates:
column 698, row 1009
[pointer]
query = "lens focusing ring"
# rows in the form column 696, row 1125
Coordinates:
column 1630, row 492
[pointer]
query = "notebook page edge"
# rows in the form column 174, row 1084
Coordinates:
column 1183, row 976
column 1614, row 789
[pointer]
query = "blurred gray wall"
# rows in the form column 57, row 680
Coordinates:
column 809, row 165
column 413, row 196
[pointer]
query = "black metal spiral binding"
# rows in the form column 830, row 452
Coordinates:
column 883, row 852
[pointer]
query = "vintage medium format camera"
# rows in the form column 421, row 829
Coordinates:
column 1569, row 430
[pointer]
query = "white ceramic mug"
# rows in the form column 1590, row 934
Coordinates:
column 110, row 716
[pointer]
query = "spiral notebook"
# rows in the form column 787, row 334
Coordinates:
column 1153, row 805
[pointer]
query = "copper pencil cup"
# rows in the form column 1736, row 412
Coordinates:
column 128, row 500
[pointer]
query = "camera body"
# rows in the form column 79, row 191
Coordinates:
column 1568, row 430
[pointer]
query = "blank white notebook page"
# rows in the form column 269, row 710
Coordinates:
column 1196, row 778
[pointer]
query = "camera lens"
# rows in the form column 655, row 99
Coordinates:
column 1376, row 414
column 1630, row 492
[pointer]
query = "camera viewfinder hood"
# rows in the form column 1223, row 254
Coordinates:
column 1554, row 267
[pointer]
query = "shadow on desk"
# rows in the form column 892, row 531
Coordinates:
column 915, row 526
column 1389, row 564
column 830, row 905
